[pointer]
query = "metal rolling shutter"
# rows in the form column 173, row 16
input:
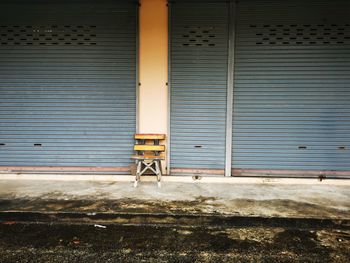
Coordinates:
column 292, row 85
column 67, row 83
column 199, row 43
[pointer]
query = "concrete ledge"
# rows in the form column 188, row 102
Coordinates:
column 177, row 179
column 168, row 219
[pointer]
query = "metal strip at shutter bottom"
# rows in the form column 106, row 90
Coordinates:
column 67, row 83
column 199, row 43
column 292, row 86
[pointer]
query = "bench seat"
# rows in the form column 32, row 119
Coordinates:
column 148, row 157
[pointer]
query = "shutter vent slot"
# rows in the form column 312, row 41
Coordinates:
column 282, row 34
column 48, row 35
column 198, row 36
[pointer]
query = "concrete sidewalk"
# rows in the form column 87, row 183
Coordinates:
column 253, row 200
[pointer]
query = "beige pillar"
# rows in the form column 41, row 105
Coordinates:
column 153, row 92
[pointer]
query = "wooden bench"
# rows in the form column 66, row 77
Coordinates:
column 149, row 155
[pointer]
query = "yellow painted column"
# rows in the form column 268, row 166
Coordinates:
column 153, row 67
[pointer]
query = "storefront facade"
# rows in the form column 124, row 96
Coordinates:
column 247, row 88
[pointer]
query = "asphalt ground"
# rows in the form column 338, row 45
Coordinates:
column 89, row 242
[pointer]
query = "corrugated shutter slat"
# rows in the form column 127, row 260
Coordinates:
column 292, row 85
column 67, row 83
column 199, row 48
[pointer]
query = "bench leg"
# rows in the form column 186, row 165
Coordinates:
column 138, row 173
column 158, row 172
